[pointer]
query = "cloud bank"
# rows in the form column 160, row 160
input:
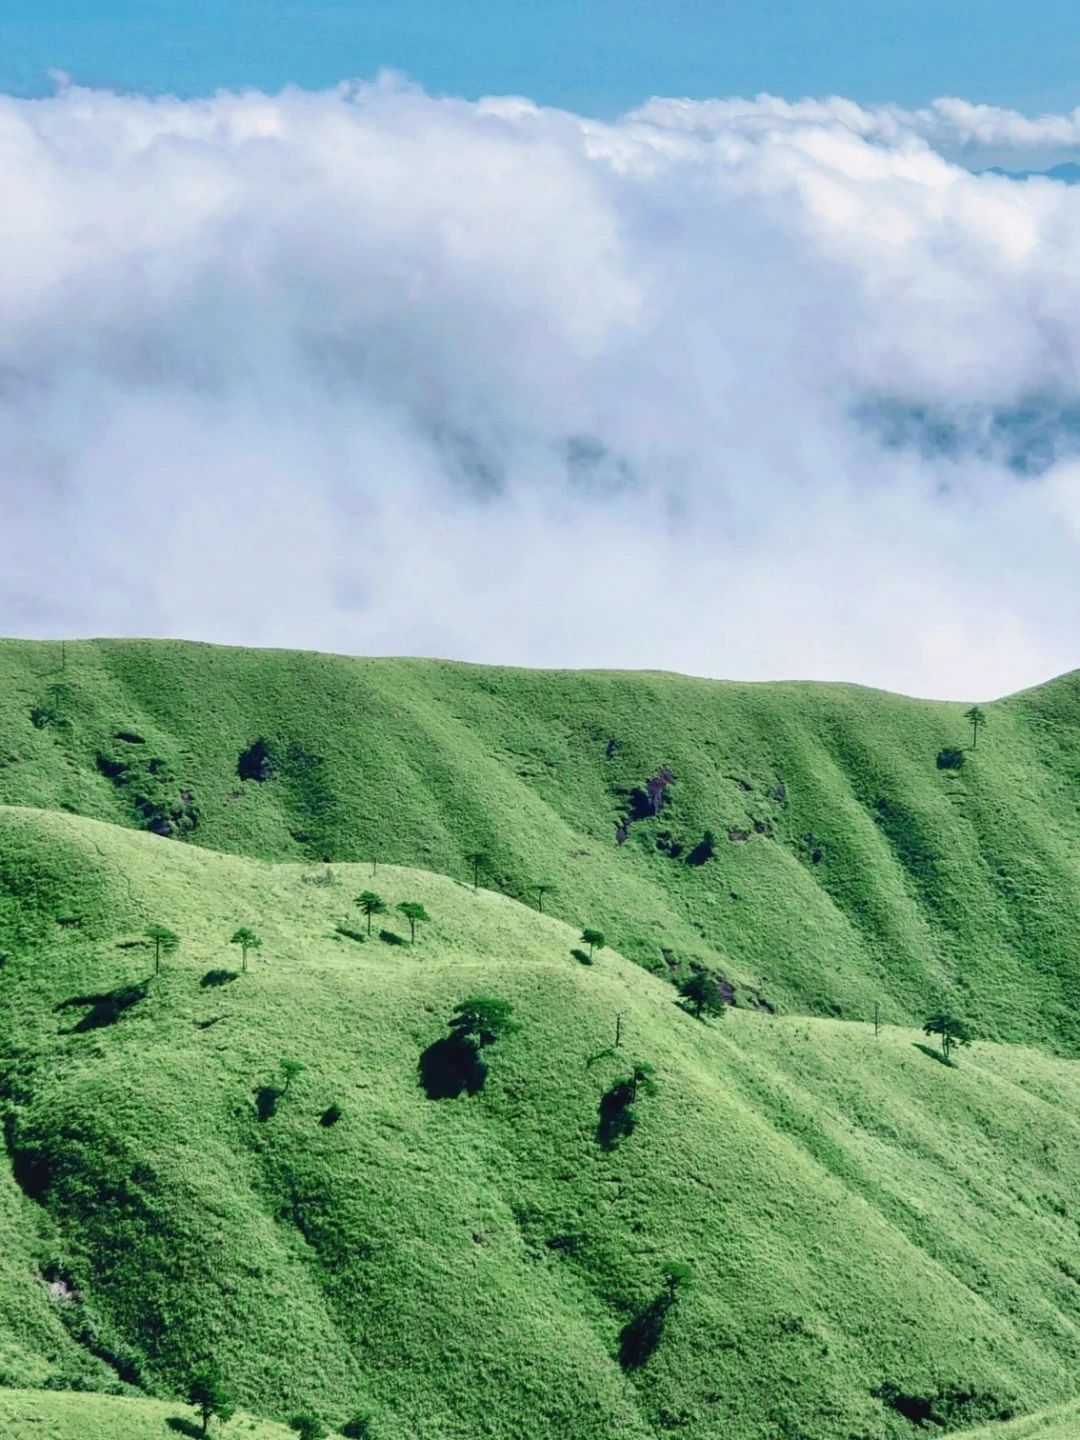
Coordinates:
column 739, row 388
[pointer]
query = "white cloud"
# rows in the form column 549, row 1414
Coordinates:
column 739, row 388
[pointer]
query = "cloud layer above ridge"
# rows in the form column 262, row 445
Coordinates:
column 739, row 388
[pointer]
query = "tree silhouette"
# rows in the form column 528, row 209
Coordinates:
column 415, row 914
column 977, row 718
column 246, row 938
column 952, row 1030
column 702, row 993
column 540, row 889
column 291, row 1069
column 594, row 939
column 209, row 1396
column 479, row 861
column 371, row 905
column 165, row 942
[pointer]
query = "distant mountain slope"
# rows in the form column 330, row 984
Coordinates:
column 845, row 869
column 869, row 1234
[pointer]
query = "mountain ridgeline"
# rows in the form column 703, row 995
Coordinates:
column 823, row 848
column 340, row 1058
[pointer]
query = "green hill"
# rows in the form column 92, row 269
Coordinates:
column 851, row 1210
column 878, row 1246
column 56, row 1415
column 847, row 870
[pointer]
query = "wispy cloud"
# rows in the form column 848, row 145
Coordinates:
column 737, row 388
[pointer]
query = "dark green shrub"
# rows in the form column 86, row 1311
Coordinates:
column 308, row 1427
column 950, row 758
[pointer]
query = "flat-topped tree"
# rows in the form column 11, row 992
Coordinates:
column 246, row 938
column 371, row 905
column 165, row 942
column 540, row 889
column 595, row 939
column 952, row 1029
column 415, row 914
column 484, row 1018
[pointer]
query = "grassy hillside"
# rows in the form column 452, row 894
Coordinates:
column 870, row 1235
column 55, row 1415
column 848, row 868
column 1061, row 1423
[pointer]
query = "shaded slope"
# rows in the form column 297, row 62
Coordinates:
column 848, row 1207
column 848, row 869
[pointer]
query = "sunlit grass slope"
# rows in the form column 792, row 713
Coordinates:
column 1061, row 1423
column 55, row 1415
column 866, row 1228
column 848, row 869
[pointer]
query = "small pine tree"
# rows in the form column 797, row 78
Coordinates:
column 594, row 939
column 977, row 719
column 952, row 1030
column 290, row 1070
column 415, row 914
column 166, row 941
column 246, row 938
column 371, row 905
column 209, row 1396
column 703, row 994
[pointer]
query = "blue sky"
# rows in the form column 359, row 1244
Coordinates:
column 595, row 56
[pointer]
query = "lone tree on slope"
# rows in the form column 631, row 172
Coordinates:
column 594, row 939
column 952, row 1030
column 415, row 914
column 371, row 905
column 479, row 860
column 246, row 938
column 210, row 1398
column 291, row 1070
column 702, row 993
column 484, row 1019
column 977, row 718
column 165, row 942
column 540, row 889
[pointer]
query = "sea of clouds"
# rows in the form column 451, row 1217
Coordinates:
column 738, row 388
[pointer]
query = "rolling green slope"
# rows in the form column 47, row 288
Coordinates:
column 849, row 869
column 869, row 1234
column 55, row 1415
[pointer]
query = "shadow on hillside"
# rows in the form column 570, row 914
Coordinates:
column 219, row 977
column 389, row 937
column 104, row 1009
column 183, row 1426
column 617, row 1118
column 266, row 1101
column 934, row 1055
column 640, row 1337
column 451, row 1067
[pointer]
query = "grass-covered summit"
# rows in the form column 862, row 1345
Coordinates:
column 825, row 848
column 357, row 1199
